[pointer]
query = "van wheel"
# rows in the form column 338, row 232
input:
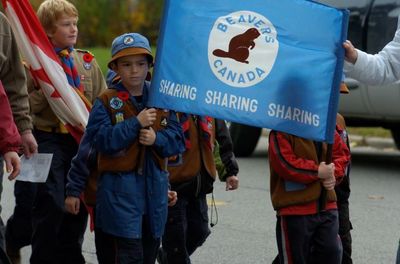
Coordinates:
column 244, row 138
column 396, row 136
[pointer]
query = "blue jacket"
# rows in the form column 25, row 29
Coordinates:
column 123, row 198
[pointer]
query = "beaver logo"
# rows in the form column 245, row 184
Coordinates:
column 242, row 48
column 239, row 46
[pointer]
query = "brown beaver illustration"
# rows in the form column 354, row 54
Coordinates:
column 239, row 46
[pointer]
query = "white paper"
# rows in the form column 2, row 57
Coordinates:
column 36, row 168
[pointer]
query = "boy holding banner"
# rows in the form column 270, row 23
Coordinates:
column 57, row 237
column 298, row 174
column 192, row 177
column 133, row 143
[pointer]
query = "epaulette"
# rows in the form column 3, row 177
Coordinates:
column 84, row 51
column 87, row 58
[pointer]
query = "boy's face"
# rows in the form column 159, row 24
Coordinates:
column 66, row 32
column 133, row 70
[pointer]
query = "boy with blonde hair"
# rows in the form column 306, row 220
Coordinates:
column 57, row 237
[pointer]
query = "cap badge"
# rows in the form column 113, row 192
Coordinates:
column 128, row 40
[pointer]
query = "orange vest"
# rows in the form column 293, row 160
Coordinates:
column 195, row 156
column 131, row 158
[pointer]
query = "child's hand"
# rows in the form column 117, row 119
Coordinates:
column 172, row 198
column 329, row 183
column 147, row 117
column 147, row 136
column 350, row 53
column 232, row 183
column 326, row 171
column 13, row 164
column 72, row 205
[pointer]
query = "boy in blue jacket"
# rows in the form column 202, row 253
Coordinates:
column 132, row 144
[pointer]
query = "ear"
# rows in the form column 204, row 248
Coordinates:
column 113, row 66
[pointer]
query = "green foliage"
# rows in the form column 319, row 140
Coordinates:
column 100, row 21
column 102, row 56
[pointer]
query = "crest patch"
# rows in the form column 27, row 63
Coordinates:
column 116, row 103
column 164, row 121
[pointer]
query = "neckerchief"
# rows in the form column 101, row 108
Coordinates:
column 67, row 63
column 139, row 105
column 203, row 124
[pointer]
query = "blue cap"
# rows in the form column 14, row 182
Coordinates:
column 130, row 44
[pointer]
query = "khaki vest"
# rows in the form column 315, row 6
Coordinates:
column 193, row 157
column 131, row 158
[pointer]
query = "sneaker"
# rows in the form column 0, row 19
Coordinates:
column 14, row 255
column 161, row 257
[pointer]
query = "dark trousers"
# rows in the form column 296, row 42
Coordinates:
column 119, row 250
column 186, row 228
column 344, row 231
column 57, row 236
column 309, row 238
column 19, row 225
column 398, row 255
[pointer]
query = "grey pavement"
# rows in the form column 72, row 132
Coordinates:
column 229, row 233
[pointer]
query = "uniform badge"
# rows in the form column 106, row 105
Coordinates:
column 87, row 65
column 87, row 58
column 119, row 117
column 116, row 103
column 164, row 121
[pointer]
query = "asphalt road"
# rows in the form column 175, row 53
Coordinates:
column 245, row 232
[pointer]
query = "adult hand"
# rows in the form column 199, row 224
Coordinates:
column 326, row 171
column 147, row 136
column 350, row 53
column 147, row 117
column 232, row 183
column 13, row 164
column 172, row 198
column 72, row 204
column 29, row 144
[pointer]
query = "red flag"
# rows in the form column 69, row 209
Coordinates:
column 46, row 67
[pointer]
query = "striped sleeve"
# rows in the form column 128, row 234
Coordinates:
column 340, row 157
column 289, row 166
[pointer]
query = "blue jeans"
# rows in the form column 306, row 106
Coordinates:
column 186, row 228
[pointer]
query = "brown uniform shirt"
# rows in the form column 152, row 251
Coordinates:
column 93, row 83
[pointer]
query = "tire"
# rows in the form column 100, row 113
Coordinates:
column 244, row 138
column 396, row 136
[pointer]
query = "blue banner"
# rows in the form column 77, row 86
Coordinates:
column 266, row 63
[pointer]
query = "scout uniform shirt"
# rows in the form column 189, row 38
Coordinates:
column 93, row 84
